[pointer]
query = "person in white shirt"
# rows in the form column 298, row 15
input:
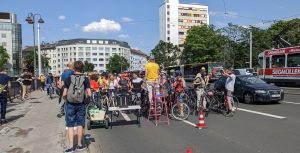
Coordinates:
column 229, row 89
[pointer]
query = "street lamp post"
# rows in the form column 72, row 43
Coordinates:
column 31, row 20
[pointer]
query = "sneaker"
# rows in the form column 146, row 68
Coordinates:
column 230, row 114
column 70, row 150
column 80, row 148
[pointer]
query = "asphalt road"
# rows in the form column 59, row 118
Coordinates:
column 261, row 128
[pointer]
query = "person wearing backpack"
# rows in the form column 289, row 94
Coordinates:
column 75, row 88
column 199, row 84
column 4, row 85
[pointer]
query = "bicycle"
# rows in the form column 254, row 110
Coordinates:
column 192, row 100
column 179, row 110
column 216, row 102
column 51, row 90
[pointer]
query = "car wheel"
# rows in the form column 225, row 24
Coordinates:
column 248, row 98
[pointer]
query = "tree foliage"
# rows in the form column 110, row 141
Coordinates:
column 29, row 61
column 88, row 67
column 203, row 44
column 166, row 54
column 117, row 64
column 4, row 57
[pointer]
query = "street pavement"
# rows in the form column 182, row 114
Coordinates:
column 255, row 128
column 33, row 126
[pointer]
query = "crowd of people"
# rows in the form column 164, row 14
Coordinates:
column 74, row 86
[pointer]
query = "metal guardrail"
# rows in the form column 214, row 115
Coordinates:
column 16, row 89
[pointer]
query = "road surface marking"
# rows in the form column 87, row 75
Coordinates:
column 126, row 117
column 288, row 102
column 260, row 113
column 188, row 122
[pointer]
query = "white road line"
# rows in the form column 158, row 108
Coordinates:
column 126, row 117
column 261, row 113
column 288, row 102
column 188, row 122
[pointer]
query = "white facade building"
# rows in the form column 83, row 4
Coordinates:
column 176, row 19
column 11, row 40
column 96, row 51
column 138, row 60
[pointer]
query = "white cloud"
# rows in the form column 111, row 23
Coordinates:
column 62, row 17
column 102, row 26
column 66, row 30
column 127, row 19
column 123, row 36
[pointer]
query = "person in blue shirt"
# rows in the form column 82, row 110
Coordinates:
column 49, row 82
column 5, row 81
column 66, row 74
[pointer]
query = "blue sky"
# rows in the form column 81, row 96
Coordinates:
column 135, row 21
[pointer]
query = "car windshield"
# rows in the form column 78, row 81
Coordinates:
column 252, row 80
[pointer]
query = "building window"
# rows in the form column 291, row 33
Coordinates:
column 101, row 54
column 168, row 32
column 168, row 13
column 94, row 54
column 107, row 59
column 88, row 59
column 81, row 54
column 80, row 48
column 88, row 48
column 101, row 65
column 107, row 49
column 114, row 49
column 168, row 6
column 3, row 44
column 101, row 59
column 94, row 59
column 168, row 19
column 94, row 48
column 101, row 48
column 181, row 33
column 87, row 54
column 168, row 38
column 107, row 54
column 3, row 35
column 168, row 25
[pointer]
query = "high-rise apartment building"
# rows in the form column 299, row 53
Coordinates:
column 11, row 40
column 176, row 19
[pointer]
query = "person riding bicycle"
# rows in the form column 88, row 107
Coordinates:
column 179, row 86
column 201, row 80
column 95, row 88
column 49, row 82
column 137, row 85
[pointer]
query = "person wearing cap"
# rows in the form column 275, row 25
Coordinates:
column 151, row 76
column 199, row 84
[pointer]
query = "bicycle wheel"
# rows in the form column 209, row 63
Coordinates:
column 180, row 111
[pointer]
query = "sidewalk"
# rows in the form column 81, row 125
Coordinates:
column 33, row 126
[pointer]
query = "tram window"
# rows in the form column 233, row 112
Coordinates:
column 293, row 60
column 260, row 62
column 278, row 61
column 267, row 62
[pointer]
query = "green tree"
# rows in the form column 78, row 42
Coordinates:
column 166, row 54
column 288, row 30
column 4, row 56
column 117, row 64
column 203, row 44
column 88, row 67
column 29, row 61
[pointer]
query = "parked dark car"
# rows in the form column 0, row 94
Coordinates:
column 252, row 89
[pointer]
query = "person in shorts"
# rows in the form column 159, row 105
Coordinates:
column 75, row 112
column 229, row 89
column 27, row 82
column 151, row 77
column 5, row 82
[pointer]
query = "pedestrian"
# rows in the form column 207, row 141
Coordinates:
column 151, row 75
column 229, row 89
column 4, row 86
column 75, row 87
column 49, row 82
column 67, row 73
column 200, row 81
column 43, row 79
column 27, row 83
